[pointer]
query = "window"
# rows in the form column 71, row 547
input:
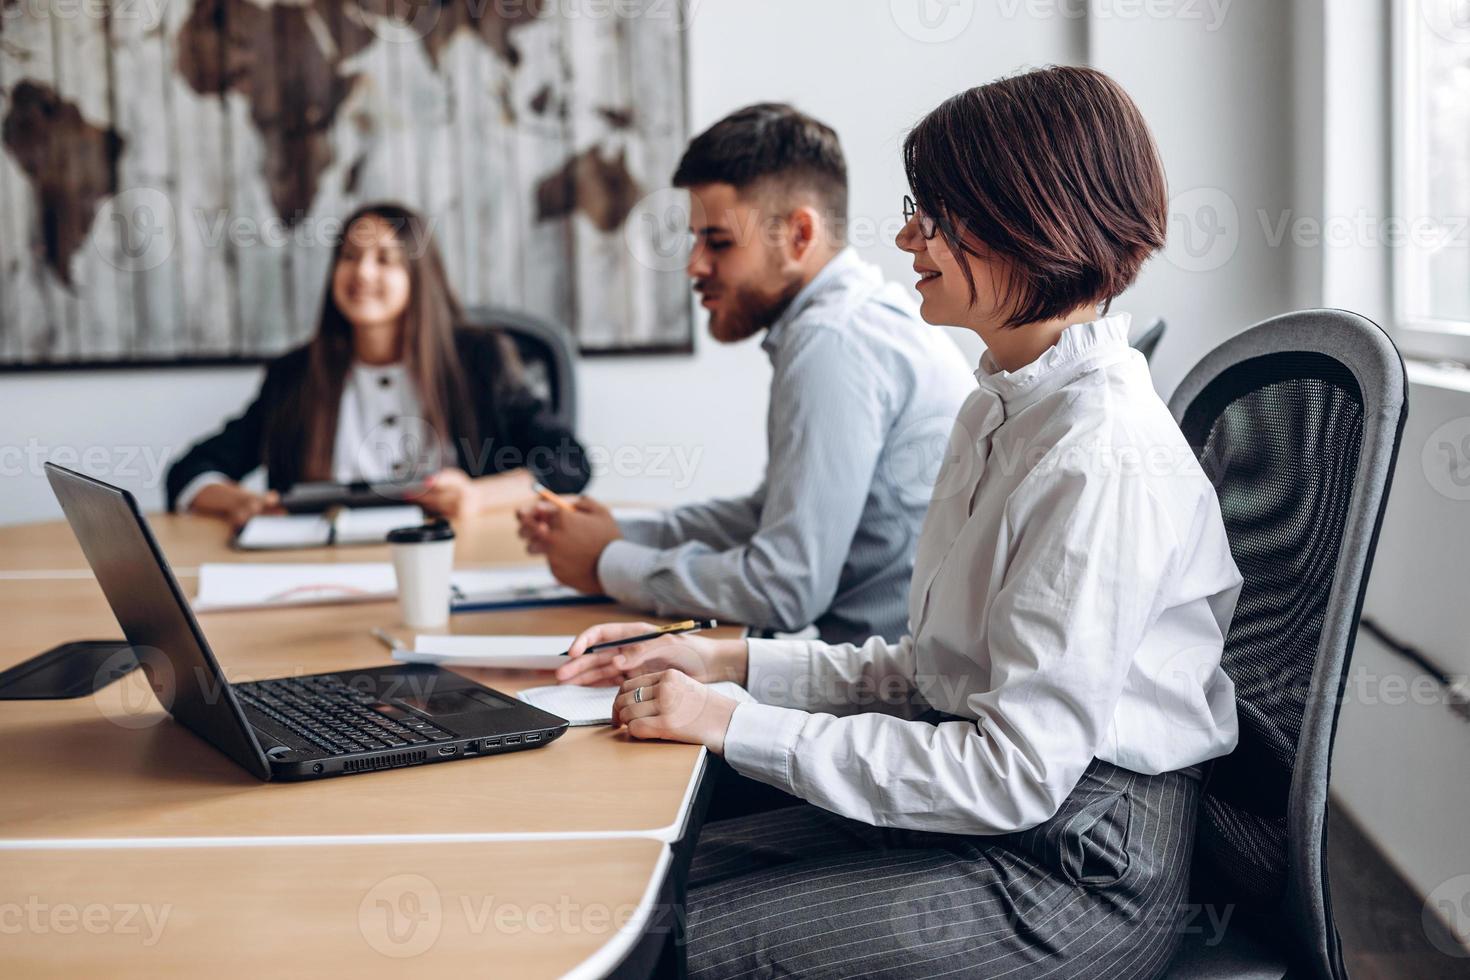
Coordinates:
column 1432, row 175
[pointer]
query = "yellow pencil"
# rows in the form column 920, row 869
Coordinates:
column 547, row 495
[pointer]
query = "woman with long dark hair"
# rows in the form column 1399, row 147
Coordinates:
column 393, row 387
column 1009, row 790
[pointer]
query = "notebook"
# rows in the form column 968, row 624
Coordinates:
column 346, row 526
column 593, row 705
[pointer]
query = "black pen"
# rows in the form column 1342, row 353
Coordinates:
column 687, row 626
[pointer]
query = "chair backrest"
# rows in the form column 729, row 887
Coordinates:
column 1297, row 423
column 1148, row 341
column 546, row 350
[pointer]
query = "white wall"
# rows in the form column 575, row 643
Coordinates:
column 1214, row 83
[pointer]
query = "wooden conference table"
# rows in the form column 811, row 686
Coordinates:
column 540, row 863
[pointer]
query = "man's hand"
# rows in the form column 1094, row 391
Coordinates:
column 699, row 657
column 534, row 522
column 234, row 503
column 674, row 706
column 572, row 541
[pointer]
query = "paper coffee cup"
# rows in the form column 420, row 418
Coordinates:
column 423, row 557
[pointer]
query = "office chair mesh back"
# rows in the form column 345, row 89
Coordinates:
column 1279, row 436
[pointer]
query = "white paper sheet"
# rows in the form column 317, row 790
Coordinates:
column 272, row 531
column 251, row 585
column 370, row 525
column 510, row 652
column 255, row 585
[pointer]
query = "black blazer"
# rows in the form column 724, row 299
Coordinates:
column 515, row 428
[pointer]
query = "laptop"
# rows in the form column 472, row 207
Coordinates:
column 289, row 728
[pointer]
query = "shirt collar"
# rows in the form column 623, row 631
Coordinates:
column 837, row 270
column 1081, row 347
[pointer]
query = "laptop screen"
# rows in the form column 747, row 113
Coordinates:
column 154, row 615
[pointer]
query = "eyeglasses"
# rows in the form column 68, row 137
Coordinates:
column 928, row 227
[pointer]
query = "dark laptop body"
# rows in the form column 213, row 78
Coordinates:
column 307, row 727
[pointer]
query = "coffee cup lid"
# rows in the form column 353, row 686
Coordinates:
column 438, row 530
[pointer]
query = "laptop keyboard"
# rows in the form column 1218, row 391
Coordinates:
column 334, row 717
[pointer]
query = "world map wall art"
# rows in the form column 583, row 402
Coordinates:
column 174, row 173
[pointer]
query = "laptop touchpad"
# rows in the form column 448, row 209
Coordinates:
column 449, row 703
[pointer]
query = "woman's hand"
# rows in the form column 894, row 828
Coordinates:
column 449, row 493
column 672, row 705
column 234, row 503
column 698, row 657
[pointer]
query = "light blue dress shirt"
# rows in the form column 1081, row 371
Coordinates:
column 863, row 397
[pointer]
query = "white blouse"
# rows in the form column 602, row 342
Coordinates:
column 381, row 432
column 1071, row 593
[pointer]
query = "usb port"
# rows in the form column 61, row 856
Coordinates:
column 512, row 739
column 491, row 743
column 533, row 737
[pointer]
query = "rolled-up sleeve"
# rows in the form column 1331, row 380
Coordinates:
column 826, row 428
column 1082, row 588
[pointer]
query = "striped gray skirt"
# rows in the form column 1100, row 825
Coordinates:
column 1098, row 890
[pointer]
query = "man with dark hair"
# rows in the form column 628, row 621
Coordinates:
column 863, row 397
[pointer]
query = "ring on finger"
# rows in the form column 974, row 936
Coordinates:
column 638, row 695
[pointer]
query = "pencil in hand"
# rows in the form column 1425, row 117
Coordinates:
column 687, row 626
column 552, row 498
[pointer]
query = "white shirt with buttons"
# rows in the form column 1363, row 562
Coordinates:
column 381, row 433
column 1071, row 592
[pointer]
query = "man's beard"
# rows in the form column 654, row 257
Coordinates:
column 749, row 311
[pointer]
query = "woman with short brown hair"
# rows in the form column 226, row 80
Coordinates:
column 1010, row 790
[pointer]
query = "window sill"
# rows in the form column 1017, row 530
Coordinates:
column 1445, row 341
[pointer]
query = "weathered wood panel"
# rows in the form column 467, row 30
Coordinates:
column 199, row 134
column 174, row 175
column 25, row 47
column 141, row 221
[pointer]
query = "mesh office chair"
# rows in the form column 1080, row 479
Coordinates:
column 1297, row 422
column 1148, row 341
column 547, row 352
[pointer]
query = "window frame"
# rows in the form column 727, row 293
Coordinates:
column 1417, row 334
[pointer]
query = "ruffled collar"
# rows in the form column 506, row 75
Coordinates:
column 1080, row 348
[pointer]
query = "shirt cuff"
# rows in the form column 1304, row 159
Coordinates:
column 775, row 669
column 192, row 488
column 640, row 526
column 761, row 743
column 624, row 568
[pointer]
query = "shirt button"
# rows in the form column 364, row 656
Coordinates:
column 385, row 381
column 390, row 420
